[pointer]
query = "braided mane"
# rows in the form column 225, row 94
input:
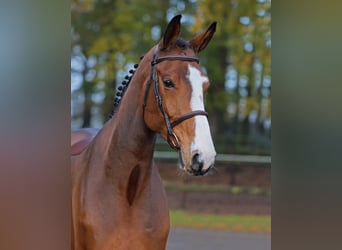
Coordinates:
column 120, row 91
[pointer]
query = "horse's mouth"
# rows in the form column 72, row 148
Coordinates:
column 202, row 172
column 195, row 167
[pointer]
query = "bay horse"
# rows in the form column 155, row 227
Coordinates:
column 118, row 198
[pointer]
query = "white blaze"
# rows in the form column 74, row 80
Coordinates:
column 203, row 143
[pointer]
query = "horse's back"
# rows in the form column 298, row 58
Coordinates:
column 81, row 138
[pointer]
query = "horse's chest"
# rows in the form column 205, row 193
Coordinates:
column 136, row 238
column 106, row 220
column 127, row 228
column 130, row 234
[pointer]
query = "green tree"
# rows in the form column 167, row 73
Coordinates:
column 239, row 65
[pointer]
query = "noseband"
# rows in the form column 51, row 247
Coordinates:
column 172, row 138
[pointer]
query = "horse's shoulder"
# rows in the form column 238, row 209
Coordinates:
column 81, row 138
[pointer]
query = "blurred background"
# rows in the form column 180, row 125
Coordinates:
column 107, row 39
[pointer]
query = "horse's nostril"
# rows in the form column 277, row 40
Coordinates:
column 197, row 164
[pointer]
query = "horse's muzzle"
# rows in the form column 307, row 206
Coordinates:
column 197, row 165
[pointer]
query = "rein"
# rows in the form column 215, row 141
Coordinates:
column 172, row 138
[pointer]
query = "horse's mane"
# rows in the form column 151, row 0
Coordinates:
column 121, row 89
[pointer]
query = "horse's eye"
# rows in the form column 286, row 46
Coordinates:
column 168, row 83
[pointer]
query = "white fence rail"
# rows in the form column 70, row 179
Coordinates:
column 168, row 155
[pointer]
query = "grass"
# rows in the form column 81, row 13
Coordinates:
column 234, row 223
column 217, row 189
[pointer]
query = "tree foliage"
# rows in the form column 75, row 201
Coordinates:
column 109, row 35
column 241, row 75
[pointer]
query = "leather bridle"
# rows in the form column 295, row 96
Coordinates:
column 172, row 138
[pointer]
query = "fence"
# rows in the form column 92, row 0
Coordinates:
column 240, row 185
column 222, row 158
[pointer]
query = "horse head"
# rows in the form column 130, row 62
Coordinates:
column 175, row 107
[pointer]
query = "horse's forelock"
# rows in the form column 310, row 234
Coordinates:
column 181, row 43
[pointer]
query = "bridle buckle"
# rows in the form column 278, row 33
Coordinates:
column 173, row 141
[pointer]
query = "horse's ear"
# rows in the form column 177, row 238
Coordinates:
column 171, row 33
column 201, row 41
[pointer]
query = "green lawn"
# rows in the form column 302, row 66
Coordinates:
column 217, row 189
column 235, row 223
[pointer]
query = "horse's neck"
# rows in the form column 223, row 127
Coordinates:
column 125, row 144
column 130, row 136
